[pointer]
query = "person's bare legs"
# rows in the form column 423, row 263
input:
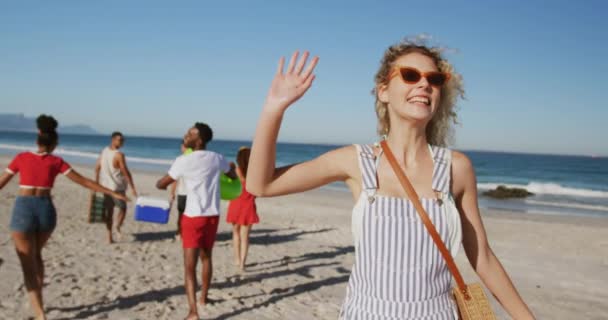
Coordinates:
column 236, row 243
column 122, row 213
column 190, row 260
column 25, row 245
column 41, row 240
column 108, row 205
column 244, row 245
column 207, row 272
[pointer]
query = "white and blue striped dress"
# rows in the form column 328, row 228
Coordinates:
column 398, row 272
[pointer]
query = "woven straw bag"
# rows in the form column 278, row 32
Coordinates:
column 477, row 306
column 472, row 302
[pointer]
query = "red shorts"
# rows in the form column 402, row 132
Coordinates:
column 199, row 232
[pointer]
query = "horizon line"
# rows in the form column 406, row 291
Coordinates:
column 332, row 144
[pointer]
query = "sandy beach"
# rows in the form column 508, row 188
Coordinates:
column 298, row 265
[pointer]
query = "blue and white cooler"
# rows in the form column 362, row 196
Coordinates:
column 150, row 209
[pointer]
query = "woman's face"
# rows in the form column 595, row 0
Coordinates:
column 412, row 101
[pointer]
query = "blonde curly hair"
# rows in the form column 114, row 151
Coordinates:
column 439, row 130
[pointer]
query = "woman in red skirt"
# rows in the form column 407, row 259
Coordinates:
column 242, row 212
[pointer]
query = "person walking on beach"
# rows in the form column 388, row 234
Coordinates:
column 200, row 170
column 398, row 271
column 34, row 217
column 242, row 212
column 179, row 193
column 111, row 171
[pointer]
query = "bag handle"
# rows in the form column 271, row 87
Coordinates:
column 411, row 193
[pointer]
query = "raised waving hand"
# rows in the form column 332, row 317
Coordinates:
column 290, row 85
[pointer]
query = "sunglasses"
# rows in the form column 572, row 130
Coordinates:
column 413, row 75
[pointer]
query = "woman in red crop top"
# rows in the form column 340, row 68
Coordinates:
column 34, row 217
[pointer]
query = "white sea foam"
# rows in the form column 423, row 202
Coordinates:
column 568, row 205
column 88, row 155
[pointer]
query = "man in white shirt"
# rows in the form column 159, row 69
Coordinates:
column 200, row 171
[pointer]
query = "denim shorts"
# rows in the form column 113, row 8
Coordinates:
column 33, row 214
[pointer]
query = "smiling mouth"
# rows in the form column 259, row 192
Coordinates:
column 420, row 100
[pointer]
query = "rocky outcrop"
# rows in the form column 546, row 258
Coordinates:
column 502, row 192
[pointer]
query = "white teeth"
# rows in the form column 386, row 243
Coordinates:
column 421, row 100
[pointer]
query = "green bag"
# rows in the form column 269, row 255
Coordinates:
column 96, row 209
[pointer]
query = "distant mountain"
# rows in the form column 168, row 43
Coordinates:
column 19, row 122
column 77, row 129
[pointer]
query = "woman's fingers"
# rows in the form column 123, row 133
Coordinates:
column 281, row 64
column 310, row 68
column 296, row 66
column 301, row 63
column 308, row 82
column 292, row 62
column 290, row 84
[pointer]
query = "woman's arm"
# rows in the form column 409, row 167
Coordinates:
column 475, row 241
column 90, row 184
column 5, row 178
column 97, row 169
column 336, row 165
column 263, row 178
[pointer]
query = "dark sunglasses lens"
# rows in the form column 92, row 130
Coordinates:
column 436, row 79
column 410, row 76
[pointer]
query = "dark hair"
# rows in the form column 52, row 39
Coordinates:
column 204, row 132
column 242, row 159
column 47, row 126
column 116, row 134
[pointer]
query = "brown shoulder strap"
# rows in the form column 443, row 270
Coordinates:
column 411, row 193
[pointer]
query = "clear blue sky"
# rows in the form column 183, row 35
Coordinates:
column 535, row 72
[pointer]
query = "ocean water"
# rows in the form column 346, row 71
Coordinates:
column 570, row 185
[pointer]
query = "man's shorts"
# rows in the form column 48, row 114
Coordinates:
column 111, row 201
column 199, row 232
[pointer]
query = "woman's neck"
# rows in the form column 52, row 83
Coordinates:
column 42, row 149
column 408, row 142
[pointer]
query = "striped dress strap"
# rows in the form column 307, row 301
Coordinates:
column 442, row 157
column 368, row 163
